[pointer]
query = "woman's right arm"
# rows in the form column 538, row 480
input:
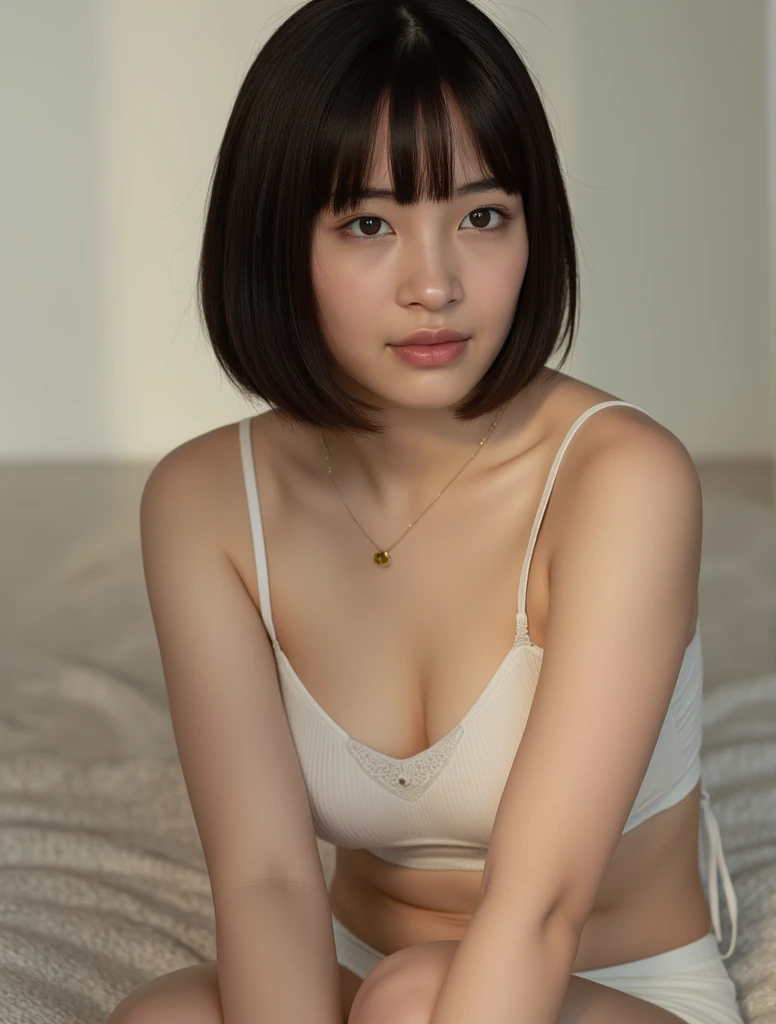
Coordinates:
column 274, row 944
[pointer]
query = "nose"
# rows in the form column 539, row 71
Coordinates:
column 429, row 275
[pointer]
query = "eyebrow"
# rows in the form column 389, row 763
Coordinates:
column 481, row 185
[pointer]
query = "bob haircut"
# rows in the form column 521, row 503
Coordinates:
column 300, row 138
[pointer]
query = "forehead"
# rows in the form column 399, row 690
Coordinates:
column 466, row 162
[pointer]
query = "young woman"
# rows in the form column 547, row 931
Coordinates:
column 438, row 605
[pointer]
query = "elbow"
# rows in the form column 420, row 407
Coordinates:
column 562, row 911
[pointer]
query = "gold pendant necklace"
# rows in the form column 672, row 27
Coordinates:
column 383, row 558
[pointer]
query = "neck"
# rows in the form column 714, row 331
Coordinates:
column 419, row 451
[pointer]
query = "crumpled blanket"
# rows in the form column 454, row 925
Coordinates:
column 102, row 879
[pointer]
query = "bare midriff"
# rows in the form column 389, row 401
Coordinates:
column 650, row 900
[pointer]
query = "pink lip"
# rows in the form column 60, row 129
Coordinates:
column 426, row 337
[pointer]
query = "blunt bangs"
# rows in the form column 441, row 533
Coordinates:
column 301, row 140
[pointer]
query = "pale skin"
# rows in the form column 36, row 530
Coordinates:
column 430, row 267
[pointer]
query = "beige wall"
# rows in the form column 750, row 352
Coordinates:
column 111, row 117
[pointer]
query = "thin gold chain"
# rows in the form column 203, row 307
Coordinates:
column 383, row 557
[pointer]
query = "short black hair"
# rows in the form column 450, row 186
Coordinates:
column 298, row 140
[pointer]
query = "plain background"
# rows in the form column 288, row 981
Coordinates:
column 111, row 114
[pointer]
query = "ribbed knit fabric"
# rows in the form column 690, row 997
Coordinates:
column 436, row 810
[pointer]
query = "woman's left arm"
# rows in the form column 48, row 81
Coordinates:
column 623, row 582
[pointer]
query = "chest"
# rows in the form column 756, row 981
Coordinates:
column 397, row 656
column 399, row 808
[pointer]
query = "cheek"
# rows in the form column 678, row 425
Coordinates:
column 353, row 309
column 344, row 285
column 497, row 286
column 351, row 294
column 512, row 271
column 511, row 282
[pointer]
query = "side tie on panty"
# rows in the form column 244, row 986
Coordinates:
column 716, row 868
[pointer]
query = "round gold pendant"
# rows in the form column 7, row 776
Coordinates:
column 382, row 558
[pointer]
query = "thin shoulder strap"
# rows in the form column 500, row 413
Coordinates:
column 548, row 491
column 254, row 509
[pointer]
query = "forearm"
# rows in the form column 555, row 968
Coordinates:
column 507, row 972
column 276, row 957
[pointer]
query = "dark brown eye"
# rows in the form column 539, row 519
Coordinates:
column 480, row 218
column 489, row 228
column 368, row 225
column 372, row 224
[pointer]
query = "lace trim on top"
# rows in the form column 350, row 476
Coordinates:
column 410, row 778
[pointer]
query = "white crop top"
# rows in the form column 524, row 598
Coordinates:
column 435, row 810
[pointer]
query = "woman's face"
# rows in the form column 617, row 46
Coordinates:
column 382, row 271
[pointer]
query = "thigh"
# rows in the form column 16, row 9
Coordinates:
column 403, row 988
column 191, row 995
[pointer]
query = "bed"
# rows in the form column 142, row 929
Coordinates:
column 102, row 879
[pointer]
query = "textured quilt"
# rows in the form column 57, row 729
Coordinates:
column 102, row 879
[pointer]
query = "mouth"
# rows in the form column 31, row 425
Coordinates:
column 441, row 354
column 430, row 338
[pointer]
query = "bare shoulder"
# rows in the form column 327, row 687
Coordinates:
column 213, row 452
column 209, row 467
column 619, row 455
column 618, row 446
column 619, row 434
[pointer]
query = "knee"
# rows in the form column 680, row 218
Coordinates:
column 134, row 1010
column 397, row 991
column 189, row 995
column 163, row 1009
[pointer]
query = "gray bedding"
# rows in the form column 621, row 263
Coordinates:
column 102, row 879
